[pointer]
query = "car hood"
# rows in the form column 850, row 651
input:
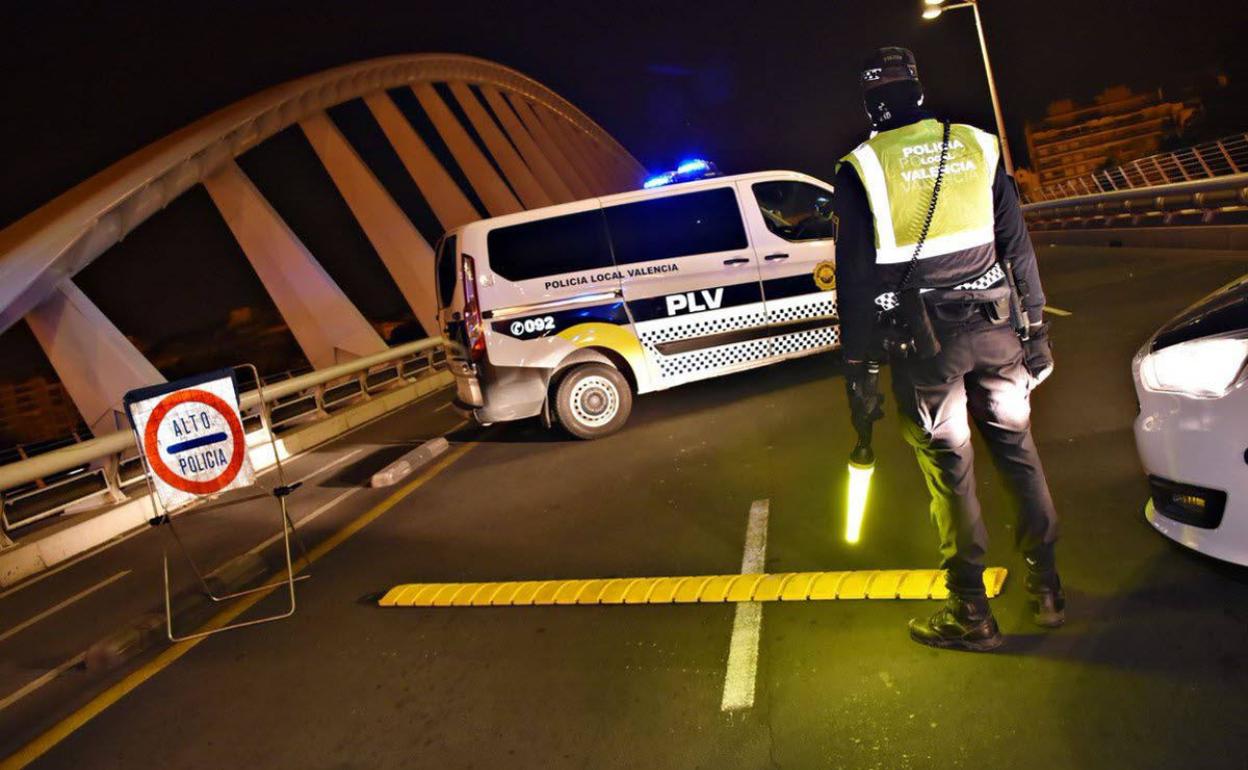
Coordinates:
column 1225, row 310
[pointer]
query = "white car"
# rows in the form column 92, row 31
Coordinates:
column 1191, row 378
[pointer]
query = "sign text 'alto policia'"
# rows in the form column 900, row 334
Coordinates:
column 191, row 436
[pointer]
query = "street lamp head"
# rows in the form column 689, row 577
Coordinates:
column 933, row 2
column 932, row 12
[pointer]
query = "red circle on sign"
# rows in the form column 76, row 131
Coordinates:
column 164, row 471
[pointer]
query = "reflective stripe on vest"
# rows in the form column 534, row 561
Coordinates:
column 898, row 169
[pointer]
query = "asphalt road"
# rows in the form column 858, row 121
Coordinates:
column 1149, row 672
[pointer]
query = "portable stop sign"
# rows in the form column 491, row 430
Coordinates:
column 190, row 434
column 191, row 438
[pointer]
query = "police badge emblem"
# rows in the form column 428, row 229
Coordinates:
column 825, row 276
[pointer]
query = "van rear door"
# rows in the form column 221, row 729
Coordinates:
column 691, row 281
column 793, row 231
column 450, row 296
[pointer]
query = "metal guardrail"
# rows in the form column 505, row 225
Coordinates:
column 46, row 484
column 1224, row 157
column 1203, row 196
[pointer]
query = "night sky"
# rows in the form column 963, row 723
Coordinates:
column 750, row 85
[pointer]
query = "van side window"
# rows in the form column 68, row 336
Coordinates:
column 446, row 270
column 796, row 211
column 676, row 226
column 565, row 244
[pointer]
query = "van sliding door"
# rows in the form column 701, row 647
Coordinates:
column 691, row 282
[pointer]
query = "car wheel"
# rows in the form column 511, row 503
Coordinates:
column 593, row 400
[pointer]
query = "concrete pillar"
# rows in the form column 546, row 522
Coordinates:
column 565, row 134
column 584, row 147
column 521, row 178
column 485, row 181
column 550, row 148
column 328, row 328
column 406, row 254
column 538, row 163
column 614, row 164
column 448, row 202
column 590, row 151
column 94, row 360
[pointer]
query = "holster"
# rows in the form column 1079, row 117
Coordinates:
column 906, row 331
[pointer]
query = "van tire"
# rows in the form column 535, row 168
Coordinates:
column 593, row 400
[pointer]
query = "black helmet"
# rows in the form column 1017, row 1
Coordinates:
column 888, row 65
column 890, row 84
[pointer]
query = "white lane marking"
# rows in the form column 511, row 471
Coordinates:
column 80, row 557
column 1057, row 311
column 748, row 621
column 35, row 684
column 298, row 525
column 58, row 607
column 303, row 521
column 327, row 466
column 49, row 676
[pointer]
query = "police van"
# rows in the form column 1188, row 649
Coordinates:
column 567, row 311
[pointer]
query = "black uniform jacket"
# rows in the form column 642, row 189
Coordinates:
column 857, row 284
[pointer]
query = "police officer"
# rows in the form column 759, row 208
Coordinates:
column 930, row 231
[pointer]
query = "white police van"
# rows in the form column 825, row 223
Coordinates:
column 567, row 311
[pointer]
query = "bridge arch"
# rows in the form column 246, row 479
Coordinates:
column 544, row 150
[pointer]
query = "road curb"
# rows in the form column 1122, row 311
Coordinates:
column 409, row 463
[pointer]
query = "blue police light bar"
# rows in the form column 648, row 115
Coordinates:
column 686, row 171
column 660, row 180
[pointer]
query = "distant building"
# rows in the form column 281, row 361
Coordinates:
column 1119, row 127
column 36, row 410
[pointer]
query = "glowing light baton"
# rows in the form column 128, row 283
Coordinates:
column 862, row 459
column 861, row 466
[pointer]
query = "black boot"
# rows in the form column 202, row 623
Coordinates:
column 960, row 625
column 1044, row 589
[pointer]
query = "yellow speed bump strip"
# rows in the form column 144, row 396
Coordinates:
column 704, row 589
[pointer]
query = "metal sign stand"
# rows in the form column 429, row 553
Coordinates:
column 280, row 492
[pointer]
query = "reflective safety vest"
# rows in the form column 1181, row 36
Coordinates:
column 898, row 169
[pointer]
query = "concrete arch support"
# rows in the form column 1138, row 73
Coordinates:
column 326, row 325
column 408, row 257
column 448, row 202
column 573, row 151
column 485, row 181
column 95, row 362
column 532, row 154
column 521, row 178
column 563, row 163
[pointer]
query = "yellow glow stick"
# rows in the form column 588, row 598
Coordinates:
column 861, row 466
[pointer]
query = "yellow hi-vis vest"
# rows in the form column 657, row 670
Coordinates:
column 898, row 170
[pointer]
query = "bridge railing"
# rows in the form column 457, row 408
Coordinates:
column 1224, row 157
column 107, row 467
column 1210, row 201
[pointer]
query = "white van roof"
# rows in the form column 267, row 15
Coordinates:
column 572, row 207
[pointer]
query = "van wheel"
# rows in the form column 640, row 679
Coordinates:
column 593, row 400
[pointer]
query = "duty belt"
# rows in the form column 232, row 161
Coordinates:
column 888, row 300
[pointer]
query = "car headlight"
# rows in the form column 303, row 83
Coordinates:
column 1205, row 368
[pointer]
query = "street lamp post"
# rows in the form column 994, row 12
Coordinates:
column 933, row 10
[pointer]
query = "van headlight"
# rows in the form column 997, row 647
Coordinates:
column 1205, row 368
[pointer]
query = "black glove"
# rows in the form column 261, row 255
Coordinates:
column 862, row 387
column 1038, row 353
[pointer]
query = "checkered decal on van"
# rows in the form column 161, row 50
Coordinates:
column 682, row 365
